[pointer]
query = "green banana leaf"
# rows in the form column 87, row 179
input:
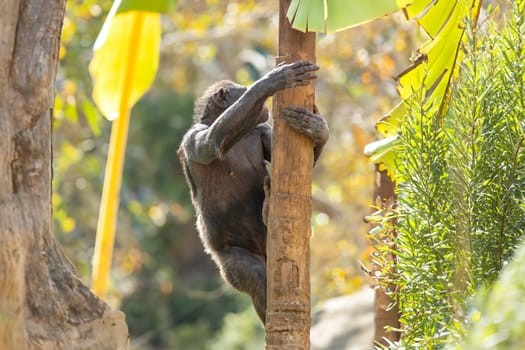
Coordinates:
column 147, row 6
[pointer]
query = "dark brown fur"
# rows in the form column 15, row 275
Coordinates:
column 223, row 157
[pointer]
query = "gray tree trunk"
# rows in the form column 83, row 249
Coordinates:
column 43, row 304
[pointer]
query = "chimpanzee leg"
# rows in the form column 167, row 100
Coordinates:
column 246, row 272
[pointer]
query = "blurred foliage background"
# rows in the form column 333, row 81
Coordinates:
column 169, row 289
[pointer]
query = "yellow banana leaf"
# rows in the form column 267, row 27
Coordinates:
column 125, row 59
column 389, row 124
column 435, row 66
column 433, row 69
column 124, row 64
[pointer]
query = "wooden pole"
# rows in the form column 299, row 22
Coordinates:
column 288, row 249
column 386, row 309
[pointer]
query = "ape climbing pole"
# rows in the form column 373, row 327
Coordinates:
column 288, row 248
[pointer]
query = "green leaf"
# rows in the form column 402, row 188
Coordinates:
column 148, row 6
column 382, row 152
column 335, row 15
column 344, row 14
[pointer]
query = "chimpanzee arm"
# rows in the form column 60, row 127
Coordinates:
column 204, row 143
column 195, row 145
column 242, row 116
column 212, row 142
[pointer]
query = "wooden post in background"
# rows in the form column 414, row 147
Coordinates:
column 386, row 309
column 288, row 249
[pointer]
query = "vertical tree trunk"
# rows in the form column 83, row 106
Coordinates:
column 43, row 304
column 288, row 291
column 386, row 310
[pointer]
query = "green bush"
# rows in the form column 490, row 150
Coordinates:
column 460, row 205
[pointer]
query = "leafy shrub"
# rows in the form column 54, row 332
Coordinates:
column 460, row 204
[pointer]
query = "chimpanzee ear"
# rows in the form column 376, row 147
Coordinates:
column 220, row 98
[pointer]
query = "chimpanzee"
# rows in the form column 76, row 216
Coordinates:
column 223, row 157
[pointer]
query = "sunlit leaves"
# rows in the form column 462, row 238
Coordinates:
column 388, row 125
column 433, row 67
column 444, row 21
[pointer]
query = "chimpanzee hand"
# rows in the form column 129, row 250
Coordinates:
column 310, row 124
column 284, row 76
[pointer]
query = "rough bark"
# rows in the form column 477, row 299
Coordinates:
column 288, row 249
column 43, row 304
column 386, row 309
